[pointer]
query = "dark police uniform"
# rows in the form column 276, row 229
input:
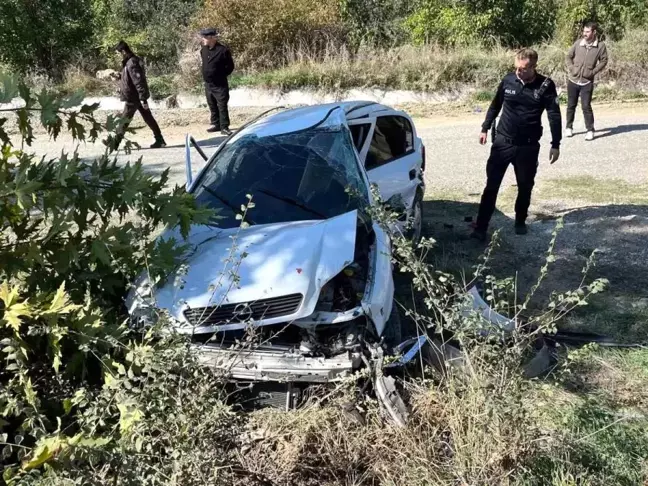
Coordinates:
column 517, row 140
column 217, row 65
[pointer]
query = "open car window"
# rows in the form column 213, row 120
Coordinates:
column 359, row 134
column 291, row 177
column 393, row 138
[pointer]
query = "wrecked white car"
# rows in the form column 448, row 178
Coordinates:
column 308, row 274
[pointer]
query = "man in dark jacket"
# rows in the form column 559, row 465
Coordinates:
column 522, row 97
column 586, row 58
column 217, row 65
column 134, row 91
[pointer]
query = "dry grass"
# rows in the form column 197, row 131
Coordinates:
column 472, row 428
column 76, row 79
column 483, row 426
column 421, row 68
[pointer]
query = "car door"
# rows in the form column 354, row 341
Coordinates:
column 393, row 159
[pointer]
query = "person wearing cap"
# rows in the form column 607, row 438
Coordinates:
column 134, row 91
column 217, row 65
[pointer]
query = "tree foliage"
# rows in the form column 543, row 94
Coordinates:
column 376, row 22
column 462, row 22
column 45, row 34
column 154, row 28
column 265, row 34
column 74, row 233
column 52, row 35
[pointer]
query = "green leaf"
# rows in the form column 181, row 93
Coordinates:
column 8, row 474
column 129, row 416
column 61, row 302
column 49, row 108
column 13, row 310
column 24, row 126
column 8, row 294
column 67, row 405
column 100, row 252
column 46, row 450
column 30, row 394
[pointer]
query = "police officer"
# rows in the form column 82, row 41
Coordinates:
column 217, row 65
column 522, row 96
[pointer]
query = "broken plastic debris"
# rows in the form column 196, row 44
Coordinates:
column 480, row 305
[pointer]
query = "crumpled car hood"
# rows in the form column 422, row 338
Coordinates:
column 260, row 262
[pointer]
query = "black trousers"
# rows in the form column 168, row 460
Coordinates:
column 585, row 93
column 524, row 159
column 130, row 108
column 217, row 99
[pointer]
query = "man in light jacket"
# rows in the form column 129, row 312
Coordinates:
column 586, row 58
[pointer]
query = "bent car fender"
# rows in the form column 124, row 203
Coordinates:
column 379, row 297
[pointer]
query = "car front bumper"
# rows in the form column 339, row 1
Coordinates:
column 275, row 363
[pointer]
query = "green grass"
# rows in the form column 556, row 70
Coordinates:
column 623, row 318
column 593, row 190
column 597, row 411
column 584, row 189
column 161, row 86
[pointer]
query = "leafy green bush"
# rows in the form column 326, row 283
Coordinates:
column 46, row 36
column 508, row 22
column 614, row 17
column 376, row 22
column 153, row 28
column 77, row 385
column 161, row 86
column 263, row 34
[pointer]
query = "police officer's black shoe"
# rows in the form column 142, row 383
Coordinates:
column 479, row 235
column 521, row 229
column 213, row 129
column 226, row 131
column 159, row 143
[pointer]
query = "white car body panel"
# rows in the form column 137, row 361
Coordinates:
column 282, row 259
column 378, row 302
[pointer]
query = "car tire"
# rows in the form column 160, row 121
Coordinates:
column 415, row 232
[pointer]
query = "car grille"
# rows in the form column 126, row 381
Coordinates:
column 242, row 312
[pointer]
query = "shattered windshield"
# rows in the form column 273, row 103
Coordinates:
column 303, row 175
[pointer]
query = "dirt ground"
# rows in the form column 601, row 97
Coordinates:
column 600, row 188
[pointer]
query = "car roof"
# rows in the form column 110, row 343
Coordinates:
column 304, row 117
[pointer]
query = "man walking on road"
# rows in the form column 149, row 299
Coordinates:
column 586, row 58
column 134, row 91
column 217, row 65
column 522, row 97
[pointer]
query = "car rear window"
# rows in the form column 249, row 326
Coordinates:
column 393, row 138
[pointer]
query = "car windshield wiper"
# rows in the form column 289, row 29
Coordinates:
column 226, row 202
column 294, row 202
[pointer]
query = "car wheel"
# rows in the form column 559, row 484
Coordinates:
column 415, row 232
